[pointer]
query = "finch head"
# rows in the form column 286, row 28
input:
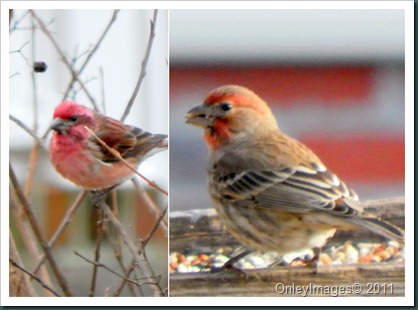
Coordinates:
column 229, row 113
column 78, row 156
column 70, row 117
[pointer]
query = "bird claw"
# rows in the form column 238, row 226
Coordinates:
column 230, row 267
column 99, row 196
column 313, row 262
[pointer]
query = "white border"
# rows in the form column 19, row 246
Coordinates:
column 408, row 6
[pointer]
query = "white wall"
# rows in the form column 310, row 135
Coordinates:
column 231, row 36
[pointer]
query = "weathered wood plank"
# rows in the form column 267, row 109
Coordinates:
column 384, row 279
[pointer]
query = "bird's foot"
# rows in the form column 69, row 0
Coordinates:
column 279, row 263
column 310, row 262
column 229, row 265
column 99, row 196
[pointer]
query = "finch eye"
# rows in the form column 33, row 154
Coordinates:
column 73, row 118
column 226, row 106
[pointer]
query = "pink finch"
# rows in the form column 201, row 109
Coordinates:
column 79, row 157
column 270, row 190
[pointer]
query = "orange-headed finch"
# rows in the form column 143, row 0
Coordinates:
column 270, row 190
column 80, row 158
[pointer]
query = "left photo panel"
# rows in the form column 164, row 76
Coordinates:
column 88, row 153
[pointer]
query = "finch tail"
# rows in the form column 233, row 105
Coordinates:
column 149, row 144
column 380, row 227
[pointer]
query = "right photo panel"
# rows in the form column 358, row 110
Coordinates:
column 287, row 152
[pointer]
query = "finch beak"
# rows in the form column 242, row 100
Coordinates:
column 59, row 125
column 200, row 116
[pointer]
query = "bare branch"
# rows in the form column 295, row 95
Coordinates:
column 103, row 90
column 10, row 16
column 143, row 67
column 143, row 265
column 101, row 265
column 11, row 261
column 28, row 130
column 94, row 50
column 33, row 158
column 16, row 22
column 64, row 223
column 150, row 205
column 19, row 284
column 74, row 74
column 100, row 231
column 144, row 243
column 38, row 232
column 116, row 245
column 27, row 237
column 154, row 228
column 20, row 52
column 35, row 149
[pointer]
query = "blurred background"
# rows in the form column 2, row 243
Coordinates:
column 333, row 78
column 110, row 77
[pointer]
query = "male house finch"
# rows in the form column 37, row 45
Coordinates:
column 79, row 157
column 270, row 190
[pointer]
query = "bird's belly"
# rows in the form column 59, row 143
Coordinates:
column 88, row 172
column 266, row 229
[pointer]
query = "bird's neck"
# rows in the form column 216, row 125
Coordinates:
column 78, row 133
column 218, row 134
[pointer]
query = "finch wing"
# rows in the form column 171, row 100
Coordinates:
column 296, row 189
column 129, row 141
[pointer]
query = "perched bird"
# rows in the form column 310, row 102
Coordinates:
column 80, row 158
column 270, row 190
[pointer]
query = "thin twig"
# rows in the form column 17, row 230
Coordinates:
column 154, row 276
column 144, row 243
column 19, row 284
column 28, row 130
column 95, row 48
column 34, row 277
column 115, row 210
column 154, row 228
column 101, row 265
column 128, row 272
column 33, row 158
column 103, row 90
column 64, row 223
column 149, row 204
column 19, row 51
column 34, row 82
column 16, row 22
column 10, row 17
column 100, row 231
column 74, row 74
column 143, row 265
column 116, row 243
column 36, row 227
column 124, row 270
column 160, row 215
column 93, row 51
column 27, row 237
column 117, row 155
column 143, row 67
